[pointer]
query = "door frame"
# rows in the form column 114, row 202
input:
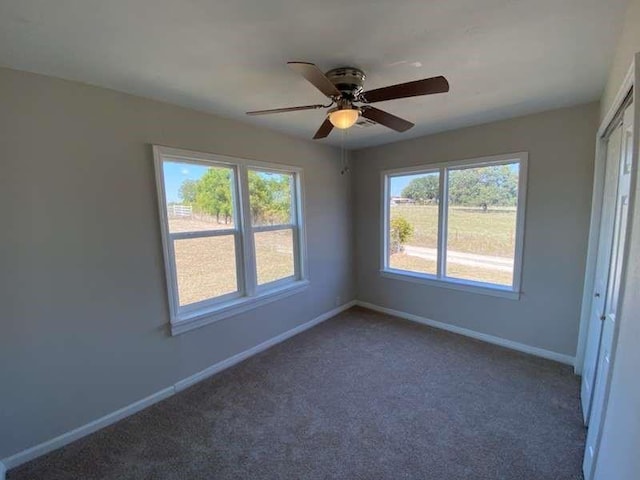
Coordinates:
column 631, row 80
column 596, row 208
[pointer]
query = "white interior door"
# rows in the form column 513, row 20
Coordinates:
column 609, row 328
column 603, row 260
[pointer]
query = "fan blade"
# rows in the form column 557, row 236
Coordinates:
column 288, row 109
column 383, row 118
column 315, row 76
column 324, row 130
column 428, row 86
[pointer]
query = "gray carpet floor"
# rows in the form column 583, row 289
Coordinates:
column 361, row 396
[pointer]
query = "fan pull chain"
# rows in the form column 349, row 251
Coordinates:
column 343, row 153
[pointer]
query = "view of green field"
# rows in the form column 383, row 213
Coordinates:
column 480, row 222
column 473, row 231
column 470, row 230
column 480, row 232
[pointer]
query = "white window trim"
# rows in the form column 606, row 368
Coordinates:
column 250, row 295
column 438, row 280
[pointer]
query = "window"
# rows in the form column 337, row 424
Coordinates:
column 458, row 224
column 273, row 224
column 232, row 234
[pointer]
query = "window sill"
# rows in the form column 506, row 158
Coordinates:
column 453, row 284
column 234, row 307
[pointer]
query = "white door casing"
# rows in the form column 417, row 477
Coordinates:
column 610, row 328
column 603, row 260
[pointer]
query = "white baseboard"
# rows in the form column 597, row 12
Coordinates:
column 68, row 437
column 521, row 347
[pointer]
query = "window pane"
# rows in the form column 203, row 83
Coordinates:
column 199, row 197
column 274, row 255
column 481, row 235
column 205, row 267
column 413, row 222
column 270, row 197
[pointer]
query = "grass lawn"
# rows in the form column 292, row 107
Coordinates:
column 454, row 270
column 470, row 231
column 206, row 266
column 490, row 233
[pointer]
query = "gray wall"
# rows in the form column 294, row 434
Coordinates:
column 561, row 155
column 82, row 297
column 628, row 45
column 83, row 305
column 620, row 442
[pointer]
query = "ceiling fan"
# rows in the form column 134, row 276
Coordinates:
column 344, row 86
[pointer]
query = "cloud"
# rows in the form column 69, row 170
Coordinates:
column 184, row 171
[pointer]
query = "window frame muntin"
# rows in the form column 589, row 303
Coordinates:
column 439, row 280
column 248, row 295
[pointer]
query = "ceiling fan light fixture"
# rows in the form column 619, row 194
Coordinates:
column 344, row 118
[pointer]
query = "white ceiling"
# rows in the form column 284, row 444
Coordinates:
column 503, row 58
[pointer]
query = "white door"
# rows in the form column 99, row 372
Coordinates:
column 611, row 299
column 603, row 260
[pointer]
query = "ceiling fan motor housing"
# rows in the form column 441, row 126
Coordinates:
column 349, row 80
